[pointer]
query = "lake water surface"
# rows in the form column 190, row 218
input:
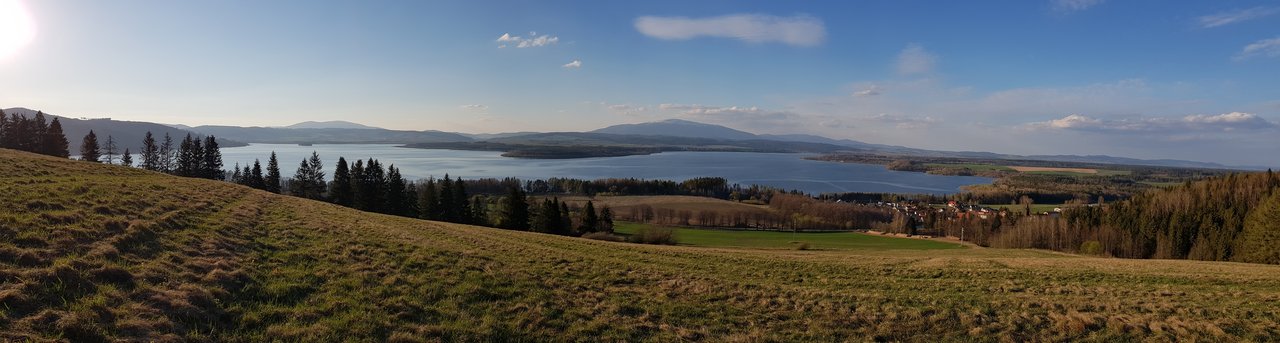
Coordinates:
column 789, row 171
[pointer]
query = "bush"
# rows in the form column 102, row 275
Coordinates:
column 654, row 235
column 1091, row 248
column 801, row 245
column 603, row 236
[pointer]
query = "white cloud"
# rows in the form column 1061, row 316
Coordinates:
column 1067, row 6
column 873, row 90
column 739, row 116
column 903, row 122
column 1199, row 123
column 914, row 59
column 629, row 110
column 572, row 65
column 521, row 42
column 474, row 107
column 1265, row 47
column 1236, row 16
column 800, row 30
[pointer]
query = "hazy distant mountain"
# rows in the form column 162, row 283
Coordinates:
column 484, row 136
column 333, row 124
column 329, row 135
column 678, row 128
column 127, row 134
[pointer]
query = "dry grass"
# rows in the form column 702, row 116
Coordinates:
column 105, row 253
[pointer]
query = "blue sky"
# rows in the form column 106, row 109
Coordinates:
column 1149, row 79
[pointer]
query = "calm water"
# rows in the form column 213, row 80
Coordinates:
column 788, row 171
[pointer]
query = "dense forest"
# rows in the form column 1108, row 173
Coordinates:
column 1227, row 218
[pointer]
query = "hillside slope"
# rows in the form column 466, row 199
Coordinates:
column 91, row 252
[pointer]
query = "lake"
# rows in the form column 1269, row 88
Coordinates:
column 788, row 171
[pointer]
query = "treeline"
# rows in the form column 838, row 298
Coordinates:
column 33, row 135
column 369, row 186
column 1229, row 218
column 789, row 212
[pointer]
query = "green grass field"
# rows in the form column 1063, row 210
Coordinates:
column 106, row 253
column 788, row 240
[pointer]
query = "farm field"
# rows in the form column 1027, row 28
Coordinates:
column 788, row 240
column 102, row 253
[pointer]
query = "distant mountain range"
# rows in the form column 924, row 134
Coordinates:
column 127, row 134
column 666, row 135
column 333, row 124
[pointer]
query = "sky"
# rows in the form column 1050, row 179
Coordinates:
column 1193, row 80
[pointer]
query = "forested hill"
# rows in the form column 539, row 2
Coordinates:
column 1228, row 218
column 127, row 134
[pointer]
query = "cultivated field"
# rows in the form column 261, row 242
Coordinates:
column 91, row 252
column 789, row 240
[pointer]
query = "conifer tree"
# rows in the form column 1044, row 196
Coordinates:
column 237, row 177
column 212, row 165
column 566, row 220
column 255, row 176
column 166, row 156
column 272, row 180
column 126, row 159
column 461, row 202
column 448, row 209
column 150, row 153
column 55, row 142
column 395, row 197
column 110, row 150
column 89, row 150
column 1259, row 241
column 589, row 218
column 515, row 210
column 308, row 181
column 37, row 128
column 606, row 220
column 4, row 130
column 429, row 201
column 341, row 188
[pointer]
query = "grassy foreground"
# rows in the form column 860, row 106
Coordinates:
column 91, row 253
column 788, row 240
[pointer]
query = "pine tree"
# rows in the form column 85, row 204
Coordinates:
column 212, row 164
column 185, row 157
column 255, row 176
column 150, row 153
column 126, row 159
column 237, row 177
column 89, row 148
column 515, row 211
column 308, row 181
column 55, row 142
column 341, row 188
column 566, row 220
column 35, row 137
column 461, row 202
column 395, row 200
column 110, row 150
column 448, row 208
column 479, row 211
column 4, row 130
column 429, row 201
column 358, row 186
column 606, row 220
column 166, row 156
column 589, row 219
column 272, row 180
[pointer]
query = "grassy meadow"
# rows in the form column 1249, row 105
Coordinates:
column 789, row 240
column 102, row 253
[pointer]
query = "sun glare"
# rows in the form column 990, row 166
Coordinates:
column 17, row 29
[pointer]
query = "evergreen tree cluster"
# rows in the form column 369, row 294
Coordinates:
column 33, row 135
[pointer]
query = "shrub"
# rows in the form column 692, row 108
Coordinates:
column 802, row 245
column 1091, row 248
column 603, row 236
column 654, row 235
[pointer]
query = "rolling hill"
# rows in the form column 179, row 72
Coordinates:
column 92, row 252
column 328, row 135
column 128, row 134
column 333, row 124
